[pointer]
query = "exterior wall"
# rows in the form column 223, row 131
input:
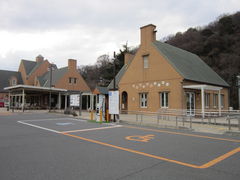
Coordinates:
column 21, row 69
column 64, row 81
column 158, row 77
column 43, row 68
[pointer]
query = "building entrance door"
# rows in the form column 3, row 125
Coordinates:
column 190, row 103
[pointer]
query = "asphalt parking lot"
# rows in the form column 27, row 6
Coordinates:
column 51, row 146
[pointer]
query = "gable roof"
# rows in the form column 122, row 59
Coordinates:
column 189, row 65
column 56, row 75
column 5, row 77
column 118, row 76
column 102, row 90
column 28, row 65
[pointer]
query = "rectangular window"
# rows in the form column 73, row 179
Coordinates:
column 70, row 80
column 164, row 99
column 222, row 100
column 207, row 100
column 75, row 80
column 143, row 100
column 215, row 100
column 145, row 62
column 14, row 82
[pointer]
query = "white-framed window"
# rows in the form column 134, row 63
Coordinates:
column 145, row 61
column 222, row 100
column 164, row 99
column 207, row 100
column 215, row 100
column 143, row 100
column 72, row 80
column 14, row 82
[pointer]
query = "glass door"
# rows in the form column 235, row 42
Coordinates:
column 190, row 97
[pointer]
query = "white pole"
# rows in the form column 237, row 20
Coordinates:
column 65, row 102
column 219, row 103
column 23, row 100
column 203, row 104
column 59, row 100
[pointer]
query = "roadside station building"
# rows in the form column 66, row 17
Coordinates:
column 161, row 76
column 31, row 86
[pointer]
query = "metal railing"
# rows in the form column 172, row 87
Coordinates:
column 228, row 120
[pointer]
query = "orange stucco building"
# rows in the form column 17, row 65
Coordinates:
column 161, row 76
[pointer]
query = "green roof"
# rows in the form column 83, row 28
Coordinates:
column 102, row 90
column 29, row 65
column 118, row 77
column 56, row 75
column 189, row 65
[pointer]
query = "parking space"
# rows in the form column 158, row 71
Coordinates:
column 184, row 149
column 191, row 150
column 54, row 146
column 64, row 124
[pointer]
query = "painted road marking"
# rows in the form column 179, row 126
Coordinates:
column 64, row 124
column 91, row 129
column 145, row 138
column 206, row 165
column 53, row 119
column 184, row 134
column 40, row 127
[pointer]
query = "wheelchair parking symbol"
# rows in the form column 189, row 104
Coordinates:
column 145, row 138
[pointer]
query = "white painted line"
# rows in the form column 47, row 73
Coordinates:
column 40, row 127
column 53, row 119
column 91, row 129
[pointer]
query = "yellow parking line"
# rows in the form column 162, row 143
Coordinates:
column 207, row 165
column 220, row 158
column 184, row 134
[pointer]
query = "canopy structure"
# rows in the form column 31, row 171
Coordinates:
column 204, row 87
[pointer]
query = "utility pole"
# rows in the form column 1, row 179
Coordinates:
column 50, row 86
column 238, row 85
column 114, row 79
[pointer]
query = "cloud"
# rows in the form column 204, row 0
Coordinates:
column 84, row 30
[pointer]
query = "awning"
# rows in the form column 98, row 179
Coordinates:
column 203, row 87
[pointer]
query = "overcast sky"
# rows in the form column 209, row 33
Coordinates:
column 85, row 29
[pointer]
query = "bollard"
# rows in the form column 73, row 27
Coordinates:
column 91, row 115
column 229, row 124
column 183, row 119
column 107, row 112
column 100, row 116
column 141, row 118
column 190, row 122
column 176, row 121
column 239, row 124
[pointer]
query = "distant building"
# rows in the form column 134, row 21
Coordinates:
column 29, row 87
column 161, row 76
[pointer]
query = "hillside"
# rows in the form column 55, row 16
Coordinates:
column 218, row 44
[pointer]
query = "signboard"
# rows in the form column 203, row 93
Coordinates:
column 113, row 102
column 74, row 100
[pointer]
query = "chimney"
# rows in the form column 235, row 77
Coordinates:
column 72, row 64
column 128, row 57
column 148, row 34
column 39, row 58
